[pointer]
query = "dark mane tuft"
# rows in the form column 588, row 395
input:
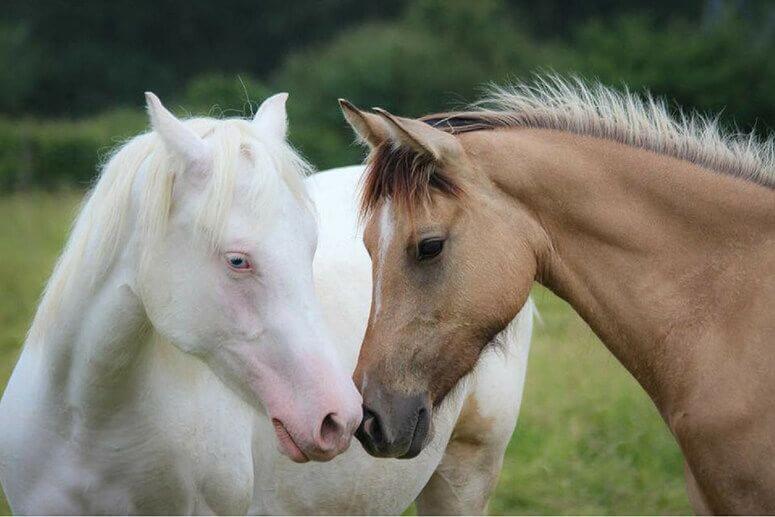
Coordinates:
column 404, row 176
column 457, row 123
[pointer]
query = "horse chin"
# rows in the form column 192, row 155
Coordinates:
column 286, row 443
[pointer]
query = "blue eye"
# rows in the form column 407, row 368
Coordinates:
column 238, row 261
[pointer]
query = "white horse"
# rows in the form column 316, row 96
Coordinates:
column 179, row 359
column 182, row 305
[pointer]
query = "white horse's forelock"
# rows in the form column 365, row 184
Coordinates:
column 101, row 225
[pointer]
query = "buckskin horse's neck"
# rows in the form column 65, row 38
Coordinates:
column 658, row 256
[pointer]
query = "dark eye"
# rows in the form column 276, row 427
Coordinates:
column 238, row 261
column 429, row 248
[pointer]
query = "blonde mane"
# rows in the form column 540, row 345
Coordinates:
column 137, row 181
column 592, row 109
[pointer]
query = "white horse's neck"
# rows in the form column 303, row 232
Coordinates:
column 101, row 361
column 92, row 329
column 109, row 395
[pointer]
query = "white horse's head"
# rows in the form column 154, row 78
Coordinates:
column 228, row 277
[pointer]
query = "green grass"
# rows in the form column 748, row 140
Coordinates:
column 588, row 441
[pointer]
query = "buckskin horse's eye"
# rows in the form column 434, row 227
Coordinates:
column 429, row 248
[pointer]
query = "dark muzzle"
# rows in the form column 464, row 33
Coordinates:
column 394, row 426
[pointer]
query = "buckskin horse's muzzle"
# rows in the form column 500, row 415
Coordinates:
column 394, row 425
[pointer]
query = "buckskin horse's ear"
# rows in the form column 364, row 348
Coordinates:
column 177, row 137
column 422, row 137
column 369, row 128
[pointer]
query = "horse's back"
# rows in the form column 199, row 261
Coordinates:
column 342, row 265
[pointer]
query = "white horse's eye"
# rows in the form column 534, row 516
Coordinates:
column 238, row 261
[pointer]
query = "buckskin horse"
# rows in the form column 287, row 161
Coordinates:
column 658, row 230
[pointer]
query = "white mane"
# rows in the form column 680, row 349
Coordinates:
column 100, row 229
column 595, row 110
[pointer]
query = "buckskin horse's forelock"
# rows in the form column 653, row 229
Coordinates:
column 405, row 176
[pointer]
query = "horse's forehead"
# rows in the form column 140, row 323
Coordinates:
column 263, row 200
column 386, row 226
column 272, row 204
column 380, row 226
column 252, row 165
column 254, row 178
column 274, row 209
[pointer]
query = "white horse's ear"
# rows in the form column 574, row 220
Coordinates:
column 369, row 128
column 179, row 138
column 271, row 117
column 421, row 137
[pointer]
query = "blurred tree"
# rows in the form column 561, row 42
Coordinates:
column 559, row 18
column 95, row 53
column 443, row 46
column 18, row 62
column 723, row 69
column 221, row 94
column 439, row 56
column 78, row 57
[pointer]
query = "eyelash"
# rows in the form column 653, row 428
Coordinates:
column 237, row 256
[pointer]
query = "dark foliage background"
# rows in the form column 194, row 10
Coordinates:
column 74, row 71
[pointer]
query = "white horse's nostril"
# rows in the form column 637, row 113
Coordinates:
column 331, row 431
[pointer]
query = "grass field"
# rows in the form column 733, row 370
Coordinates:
column 588, row 441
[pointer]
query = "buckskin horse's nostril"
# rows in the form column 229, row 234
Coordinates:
column 421, row 429
column 371, row 428
column 422, row 418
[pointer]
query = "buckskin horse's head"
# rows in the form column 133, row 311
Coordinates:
column 448, row 274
